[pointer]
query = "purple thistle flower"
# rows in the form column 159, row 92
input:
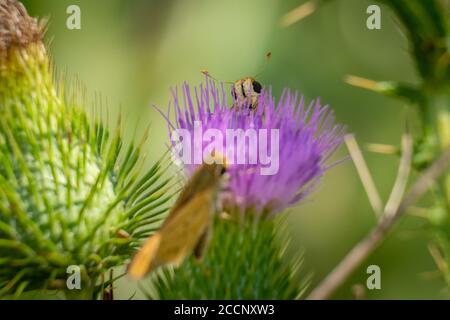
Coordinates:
column 307, row 138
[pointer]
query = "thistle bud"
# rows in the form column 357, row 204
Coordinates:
column 69, row 190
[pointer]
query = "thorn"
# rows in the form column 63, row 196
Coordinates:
column 438, row 258
column 396, row 196
column 364, row 175
column 361, row 82
column 299, row 13
column 382, row 148
column 387, row 88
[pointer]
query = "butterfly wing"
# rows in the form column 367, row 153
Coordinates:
column 203, row 243
column 177, row 238
column 200, row 181
column 144, row 258
column 182, row 233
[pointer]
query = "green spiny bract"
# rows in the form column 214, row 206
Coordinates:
column 245, row 260
column 71, row 193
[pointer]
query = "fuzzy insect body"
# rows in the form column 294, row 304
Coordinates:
column 246, row 92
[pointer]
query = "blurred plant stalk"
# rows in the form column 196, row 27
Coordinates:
column 426, row 26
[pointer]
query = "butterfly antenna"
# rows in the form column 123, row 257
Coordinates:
column 266, row 62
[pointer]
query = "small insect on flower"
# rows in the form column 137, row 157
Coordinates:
column 245, row 91
column 300, row 140
column 188, row 225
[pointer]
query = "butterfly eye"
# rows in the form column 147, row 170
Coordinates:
column 223, row 170
column 257, row 87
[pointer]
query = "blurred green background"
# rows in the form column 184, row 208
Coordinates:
column 132, row 52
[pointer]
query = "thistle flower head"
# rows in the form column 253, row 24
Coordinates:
column 284, row 145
